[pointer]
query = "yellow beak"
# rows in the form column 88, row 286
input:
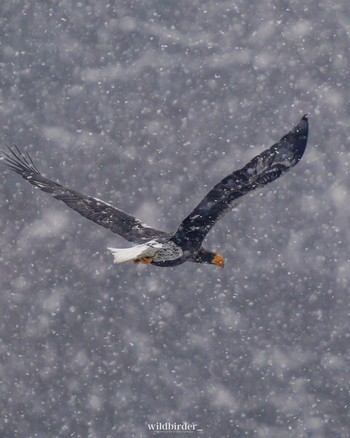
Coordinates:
column 218, row 260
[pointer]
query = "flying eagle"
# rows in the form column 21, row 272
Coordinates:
column 185, row 244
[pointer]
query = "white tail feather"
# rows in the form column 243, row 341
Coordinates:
column 135, row 252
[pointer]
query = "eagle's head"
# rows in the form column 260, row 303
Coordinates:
column 212, row 258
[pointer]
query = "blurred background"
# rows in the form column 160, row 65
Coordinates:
column 147, row 105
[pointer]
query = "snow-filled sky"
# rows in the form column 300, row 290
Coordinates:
column 147, row 104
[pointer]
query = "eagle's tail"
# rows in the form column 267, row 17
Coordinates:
column 135, row 252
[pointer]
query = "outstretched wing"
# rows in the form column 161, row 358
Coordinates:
column 98, row 211
column 261, row 170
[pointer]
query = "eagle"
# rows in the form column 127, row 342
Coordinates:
column 160, row 248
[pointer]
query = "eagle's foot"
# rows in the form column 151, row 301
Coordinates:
column 145, row 260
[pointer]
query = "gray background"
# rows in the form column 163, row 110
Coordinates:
column 147, row 104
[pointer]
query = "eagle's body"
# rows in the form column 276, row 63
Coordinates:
column 185, row 244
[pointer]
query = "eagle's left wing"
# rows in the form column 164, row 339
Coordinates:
column 261, row 170
column 100, row 212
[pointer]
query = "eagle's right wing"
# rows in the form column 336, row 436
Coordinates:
column 260, row 171
column 119, row 222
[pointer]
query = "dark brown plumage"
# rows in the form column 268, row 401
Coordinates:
column 185, row 244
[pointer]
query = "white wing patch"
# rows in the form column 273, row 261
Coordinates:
column 169, row 251
column 147, row 249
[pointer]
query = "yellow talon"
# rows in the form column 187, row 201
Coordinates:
column 145, row 260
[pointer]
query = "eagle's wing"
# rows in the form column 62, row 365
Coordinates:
column 261, row 170
column 98, row 211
